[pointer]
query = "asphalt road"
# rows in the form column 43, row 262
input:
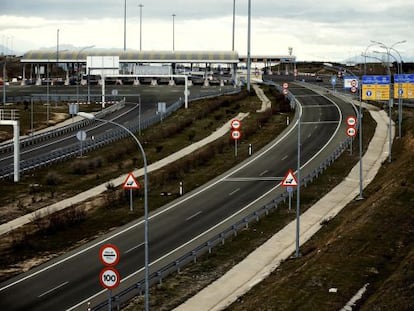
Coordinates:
column 70, row 281
column 150, row 96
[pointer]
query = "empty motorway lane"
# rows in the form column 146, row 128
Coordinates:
column 70, row 281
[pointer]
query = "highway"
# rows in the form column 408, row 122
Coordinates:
column 150, row 96
column 70, row 281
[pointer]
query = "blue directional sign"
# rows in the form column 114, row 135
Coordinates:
column 404, row 78
column 376, row 79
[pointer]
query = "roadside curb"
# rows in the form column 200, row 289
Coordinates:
column 61, row 205
column 265, row 259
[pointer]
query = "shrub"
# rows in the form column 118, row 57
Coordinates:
column 53, row 179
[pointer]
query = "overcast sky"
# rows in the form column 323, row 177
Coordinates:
column 316, row 30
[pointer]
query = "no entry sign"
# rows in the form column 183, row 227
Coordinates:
column 235, row 124
column 109, row 255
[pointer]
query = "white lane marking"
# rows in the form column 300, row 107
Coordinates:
column 220, row 223
column 249, row 179
column 156, row 214
column 234, row 192
column 52, row 290
column 264, row 172
column 195, row 215
column 135, row 247
column 284, row 158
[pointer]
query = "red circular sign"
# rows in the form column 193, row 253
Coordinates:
column 285, row 85
column 109, row 278
column 109, row 255
column 351, row 121
column 235, row 124
column 236, row 135
column 353, row 89
column 351, row 131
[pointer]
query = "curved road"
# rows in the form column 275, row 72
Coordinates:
column 149, row 98
column 70, row 281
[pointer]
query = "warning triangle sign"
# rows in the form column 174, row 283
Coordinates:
column 289, row 180
column 131, row 183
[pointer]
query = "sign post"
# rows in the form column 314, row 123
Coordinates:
column 289, row 181
column 109, row 277
column 351, row 130
column 235, row 133
column 131, row 183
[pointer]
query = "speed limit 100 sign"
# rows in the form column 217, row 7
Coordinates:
column 236, row 135
column 109, row 278
column 351, row 131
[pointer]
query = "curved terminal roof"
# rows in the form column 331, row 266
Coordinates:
column 132, row 56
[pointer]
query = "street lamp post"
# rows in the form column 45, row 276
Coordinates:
column 249, row 61
column 173, row 31
column 391, row 100
column 365, row 56
column 234, row 22
column 92, row 117
column 399, row 88
column 359, row 128
column 77, row 62
column 4, row 80
column 125, row 11
column 140, row 26
column 400, row 108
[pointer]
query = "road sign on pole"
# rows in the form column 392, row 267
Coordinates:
column 351, row 131
column 351, row 121
column 289, row 180
column 109, row 255
column 236, row 135
column 109, row 278
column 285, row 85
column 235, row 124
column 131, row 182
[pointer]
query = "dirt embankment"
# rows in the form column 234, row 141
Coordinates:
column 370, row 242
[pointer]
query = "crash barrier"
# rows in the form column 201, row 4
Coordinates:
column 175, row 264
column 74, row 150
column 52, row 133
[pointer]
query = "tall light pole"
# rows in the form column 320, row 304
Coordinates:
column 399, row 87
column 140, row 26
column 249, row 61
column 146, row 247
column 365, row 56
column 125, row 10
column 234, row 23
column 359, row 128
column 400, row 108
column 77, row 60
column 173, row 31
column 4, row 80
column 391, row 99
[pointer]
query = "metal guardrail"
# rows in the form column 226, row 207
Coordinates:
column 230, row 231
column 99, row 140
column 36, row 138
